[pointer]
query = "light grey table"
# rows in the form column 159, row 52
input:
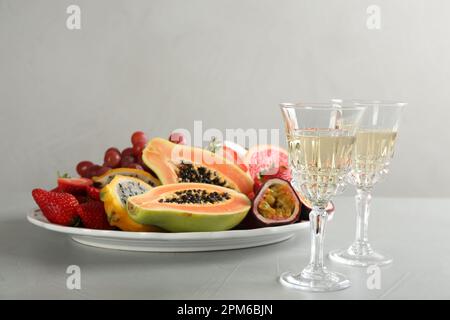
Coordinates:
column 33, row 261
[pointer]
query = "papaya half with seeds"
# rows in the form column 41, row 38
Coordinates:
column 174, row 163
column 189, row 207
column 114, row 197
column 107, row 177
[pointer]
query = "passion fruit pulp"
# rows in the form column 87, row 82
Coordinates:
column 275, row 204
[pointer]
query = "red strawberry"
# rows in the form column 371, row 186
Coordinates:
column 93, row 215
column 82, row 198
column 55, row 189
column 59, row 208
column 93, row 193
column 75, row 186
column 280, row 173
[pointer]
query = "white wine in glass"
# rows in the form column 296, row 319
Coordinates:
column 373, row 153
column 321, row 140
column 375, row 141
column 322, row 158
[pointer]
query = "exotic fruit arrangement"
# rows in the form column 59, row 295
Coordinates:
column 164, row 185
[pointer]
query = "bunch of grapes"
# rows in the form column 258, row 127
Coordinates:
column 129, row 158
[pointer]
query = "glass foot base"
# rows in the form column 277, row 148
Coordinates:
column 349, row 257
column 318, row 281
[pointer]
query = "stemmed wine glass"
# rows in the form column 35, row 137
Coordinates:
column 321, row 139
column 375, row 140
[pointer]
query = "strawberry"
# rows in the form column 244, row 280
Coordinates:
column 93, row 192
column 82, row 198
column 59, row 208
column 75, row 186
column 93, row 215
column 281, row 173
column 55, row 189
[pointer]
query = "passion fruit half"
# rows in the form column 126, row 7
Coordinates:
column 275, row 204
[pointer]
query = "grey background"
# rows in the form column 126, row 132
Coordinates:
column 156, row 65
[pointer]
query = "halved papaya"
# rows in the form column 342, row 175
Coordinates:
column 174, row 163
column 114, row 197
column 189, row 207
column 107, row 177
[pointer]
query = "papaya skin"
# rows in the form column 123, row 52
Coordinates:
column 187, row 222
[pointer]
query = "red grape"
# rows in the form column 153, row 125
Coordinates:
column 137, row 150
column 138, row 138
column 140, row 162
column 92, row 171
column 112, row 148
column 102, row 170
column 135, row 166
column 126, row 161
column 112, row 158
column 127, row 152
column 96, row 170
column 83, row 167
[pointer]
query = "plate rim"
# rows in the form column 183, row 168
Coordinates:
column 169, row 236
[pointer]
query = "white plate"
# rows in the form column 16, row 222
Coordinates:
column 173, row 242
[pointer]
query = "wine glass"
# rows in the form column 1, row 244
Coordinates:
column 375, row 141
column 321, row 139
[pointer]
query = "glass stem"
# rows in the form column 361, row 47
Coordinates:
column 318, row 219
column 361, row 245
